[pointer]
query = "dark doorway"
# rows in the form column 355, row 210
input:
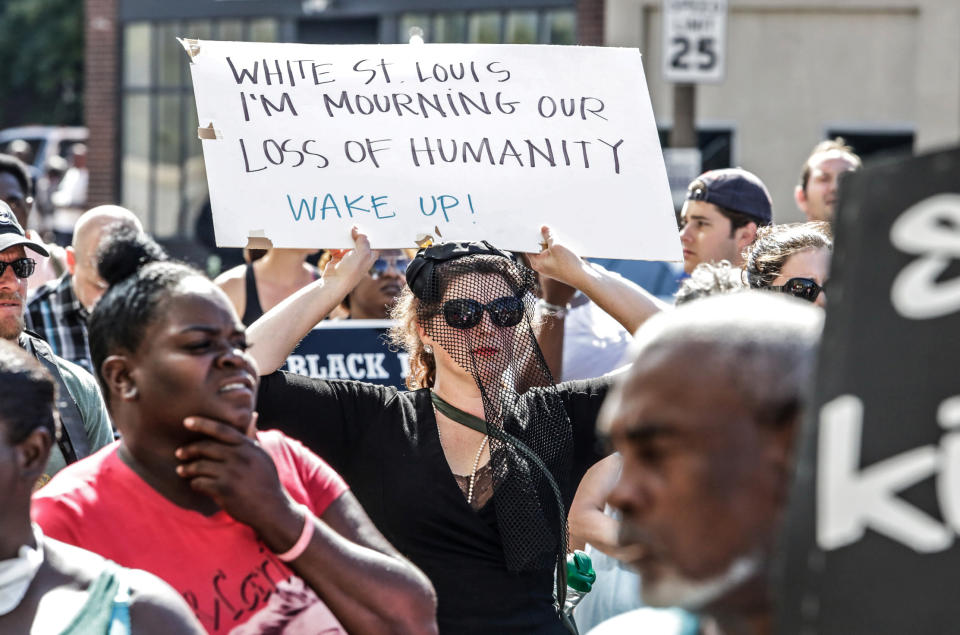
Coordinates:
column 716, row 146
column 876, row 145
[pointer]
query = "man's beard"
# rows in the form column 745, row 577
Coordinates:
column 672, row 589
column 11, row 327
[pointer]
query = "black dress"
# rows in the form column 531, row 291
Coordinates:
column 384, row 442
column 252, row 309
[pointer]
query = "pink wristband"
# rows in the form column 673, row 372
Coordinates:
column 301, row 545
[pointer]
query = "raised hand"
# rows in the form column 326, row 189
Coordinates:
column 348, row 266
column 559, row 262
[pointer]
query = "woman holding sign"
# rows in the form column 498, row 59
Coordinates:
column 471, row 473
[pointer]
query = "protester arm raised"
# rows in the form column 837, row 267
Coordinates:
column 277, row 332
column 626, row 301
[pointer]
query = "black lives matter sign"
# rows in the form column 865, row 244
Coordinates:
column 871, row 536
column 350, row 349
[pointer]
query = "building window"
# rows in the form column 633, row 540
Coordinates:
column 873, row 144
column 513, row 26
column 715, row 145
column 162, row 174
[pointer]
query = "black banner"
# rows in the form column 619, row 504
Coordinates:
column 870, row 543
column 349, row 349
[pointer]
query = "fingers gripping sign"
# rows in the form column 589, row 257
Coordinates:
column 350, row 265
column 557, row 261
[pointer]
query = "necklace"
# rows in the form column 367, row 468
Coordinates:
column 476, row 461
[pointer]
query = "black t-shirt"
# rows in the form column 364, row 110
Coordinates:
column 384, row 443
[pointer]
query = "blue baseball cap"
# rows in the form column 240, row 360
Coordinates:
column 734, row 189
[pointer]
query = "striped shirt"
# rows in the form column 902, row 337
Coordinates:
column 55, row 314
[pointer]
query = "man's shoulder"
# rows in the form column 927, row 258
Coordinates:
column 155, row 606
column 75, row 375
column 235, row 276
column 44, row 294
column 84, row 483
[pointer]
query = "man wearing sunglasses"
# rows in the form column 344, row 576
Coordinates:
column 59, row 309
column 721, row 215
column 16, row 190
column 376, row 294
column 85, row 425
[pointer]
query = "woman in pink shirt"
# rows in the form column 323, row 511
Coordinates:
column 250, row 527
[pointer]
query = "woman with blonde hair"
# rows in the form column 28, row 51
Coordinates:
column 471, row 472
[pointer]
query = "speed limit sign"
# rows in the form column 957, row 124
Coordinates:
column 694, row 40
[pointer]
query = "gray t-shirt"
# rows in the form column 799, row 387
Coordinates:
column 85, row 391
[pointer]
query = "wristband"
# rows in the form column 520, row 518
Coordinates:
column 301, row 545
column 552, row 310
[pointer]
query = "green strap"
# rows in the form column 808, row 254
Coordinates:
column 455, row 414
column 478, row 424
column 97, row 613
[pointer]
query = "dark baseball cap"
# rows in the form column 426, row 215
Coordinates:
column 11, row 234
column 734, row 189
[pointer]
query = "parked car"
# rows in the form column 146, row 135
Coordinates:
column 44, row 141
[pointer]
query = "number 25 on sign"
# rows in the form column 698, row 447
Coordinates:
column 684, row 54
column 694, row 40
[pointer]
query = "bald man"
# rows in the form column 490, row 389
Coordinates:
column 59, row 309
column 705, row 422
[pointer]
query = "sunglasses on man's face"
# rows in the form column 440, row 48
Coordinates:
column 466, row 314
column 22, row 267
column 803, row 288
column 381, row 265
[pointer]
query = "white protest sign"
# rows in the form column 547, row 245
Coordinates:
column 460, row 142
column 694, row 40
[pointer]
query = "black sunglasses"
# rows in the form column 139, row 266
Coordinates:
column 803, row 288
column 466, row 314
column 22, row 267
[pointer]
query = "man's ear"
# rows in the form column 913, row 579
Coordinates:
column 801, row 198
column 71, row 259
column 32, row 454
column 116, row 374
column 745, row 236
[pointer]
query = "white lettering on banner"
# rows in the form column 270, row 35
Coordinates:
column 339, row 366
column 930, row 229
column 404, row 364
column 375, row 365
column 850, row 499
column 352, row 360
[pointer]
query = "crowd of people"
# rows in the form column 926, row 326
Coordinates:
column 160, row 473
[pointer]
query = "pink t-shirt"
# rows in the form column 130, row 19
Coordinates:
column 225, row 573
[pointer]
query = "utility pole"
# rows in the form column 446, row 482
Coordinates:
column 684, row 132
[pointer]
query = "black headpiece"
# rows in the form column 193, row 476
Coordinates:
column 421, row 272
